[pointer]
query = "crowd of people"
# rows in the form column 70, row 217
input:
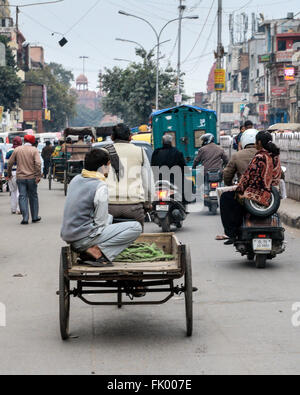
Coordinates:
column 104, row 191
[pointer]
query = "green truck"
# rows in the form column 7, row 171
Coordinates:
column 187, row 124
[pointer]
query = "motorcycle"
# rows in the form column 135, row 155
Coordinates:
column 168, row 209
column 261, row 236
column 261, row 239
column 213, row 181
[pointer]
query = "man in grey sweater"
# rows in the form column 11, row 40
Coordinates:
column 87, row 225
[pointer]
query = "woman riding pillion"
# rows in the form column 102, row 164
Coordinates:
column 87, row 225
column 256, row 184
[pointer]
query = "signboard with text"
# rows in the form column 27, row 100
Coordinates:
column 264, row 58
column 279, row 91
column 284, row 56
column 289, row 74
column 220, row 79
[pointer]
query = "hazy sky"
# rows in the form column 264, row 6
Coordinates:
column 94, row 34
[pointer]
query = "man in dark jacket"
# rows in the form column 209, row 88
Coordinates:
column 170, row 157
column 46, row 155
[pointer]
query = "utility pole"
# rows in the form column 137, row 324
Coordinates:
column 181, row 11
column 220, row 55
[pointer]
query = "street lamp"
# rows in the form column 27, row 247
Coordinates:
column 63, row 41
column 130, row 41
column 158, row 36
column 123, row 60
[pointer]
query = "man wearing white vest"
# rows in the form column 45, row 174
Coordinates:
column 131, row 187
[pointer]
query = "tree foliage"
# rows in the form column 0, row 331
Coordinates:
column 131, row 92
column 61, row 100
column 10, row 83
column 86, row 117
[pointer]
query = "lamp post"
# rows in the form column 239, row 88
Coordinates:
column 130, row 41
column 123, row 60
column 158, row 36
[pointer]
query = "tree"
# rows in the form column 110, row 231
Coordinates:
column 64, row 76
column 131, row 92
column 61, row 100
column 10, row 83
column 86, row 117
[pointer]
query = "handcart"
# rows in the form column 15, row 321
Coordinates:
column 123, row 279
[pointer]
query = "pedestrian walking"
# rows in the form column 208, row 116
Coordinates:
column 46, row 155
column 28, row 175
column 12, row 183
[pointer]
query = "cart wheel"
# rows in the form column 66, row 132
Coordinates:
column 260, row 261
column 165, row 225
column 65, row 183
column 188, row 292
column 64, row 297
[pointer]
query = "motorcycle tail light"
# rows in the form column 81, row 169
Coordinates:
column 163, row 195
column 214, row 185
column 262, row 236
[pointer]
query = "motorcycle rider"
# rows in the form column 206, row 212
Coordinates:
column 210, row 155
column 263, row 172
column 170, row 157
column 240, row 160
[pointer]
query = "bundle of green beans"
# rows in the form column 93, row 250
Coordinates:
column 143, row 252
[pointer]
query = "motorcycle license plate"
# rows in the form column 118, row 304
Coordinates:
column 162, row 208
column 262, row 245
column 213, row 194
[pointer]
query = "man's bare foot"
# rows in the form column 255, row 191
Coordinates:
column 95, row 252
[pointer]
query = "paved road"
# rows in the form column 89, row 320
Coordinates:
column 242, row 315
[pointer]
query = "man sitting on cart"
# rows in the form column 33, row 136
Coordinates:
column 87, row 225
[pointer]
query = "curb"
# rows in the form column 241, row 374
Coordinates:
column 293, row 222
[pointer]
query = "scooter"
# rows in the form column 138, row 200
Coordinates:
column 261, row 239
column 167, row 210
column 213, row 181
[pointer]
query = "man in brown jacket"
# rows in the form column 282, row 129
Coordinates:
column 240, row 160
column 211, row 156
column 28, row 163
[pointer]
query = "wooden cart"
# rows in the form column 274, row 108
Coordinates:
column 123, row 278
column 56, row 171
column 74, row 166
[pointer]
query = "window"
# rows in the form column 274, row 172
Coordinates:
column 197, row 136
column 281, row 45
column 227, row 108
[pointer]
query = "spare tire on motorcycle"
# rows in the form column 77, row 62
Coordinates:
column 262, row 211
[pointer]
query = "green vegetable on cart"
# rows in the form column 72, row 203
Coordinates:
column 143, row 252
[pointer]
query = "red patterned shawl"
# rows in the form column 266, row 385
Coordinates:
column 263, row 172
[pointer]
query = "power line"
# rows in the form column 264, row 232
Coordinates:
column 200, row 34
column 196, row 66
column 83, row 16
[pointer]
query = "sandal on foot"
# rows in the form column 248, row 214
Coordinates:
column 100, row 262
column 222, row 237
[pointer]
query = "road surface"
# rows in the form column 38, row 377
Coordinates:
column 242, row 315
